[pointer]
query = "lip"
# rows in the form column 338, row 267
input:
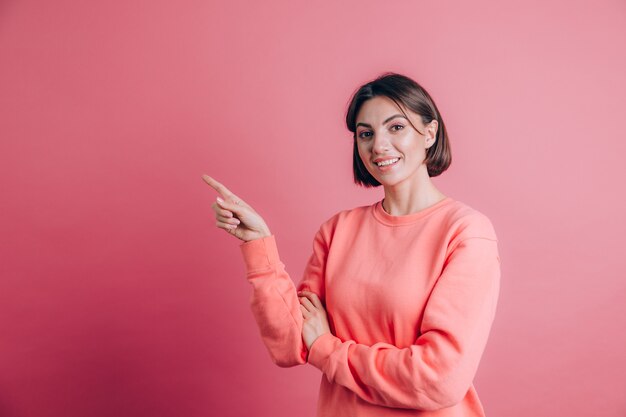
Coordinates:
column 386, row 158
column 388, row 167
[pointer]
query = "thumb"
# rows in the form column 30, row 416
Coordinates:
column 235, row 207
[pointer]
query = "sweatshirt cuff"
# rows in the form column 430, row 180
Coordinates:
column 321, row 349
column 260, row 253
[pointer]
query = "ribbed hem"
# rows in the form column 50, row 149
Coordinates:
column 260, row 253
column 387, row 219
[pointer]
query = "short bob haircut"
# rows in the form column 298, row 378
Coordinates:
column 406, row 93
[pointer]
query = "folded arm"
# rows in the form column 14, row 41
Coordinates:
column 437, row 370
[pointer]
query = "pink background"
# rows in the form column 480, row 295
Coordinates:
column 120, row 297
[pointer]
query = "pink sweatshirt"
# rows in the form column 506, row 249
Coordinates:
column 410, row 301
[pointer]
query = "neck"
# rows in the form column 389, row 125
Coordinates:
column 412, row 195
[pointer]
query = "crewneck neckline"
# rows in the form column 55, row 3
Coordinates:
column 390, row 220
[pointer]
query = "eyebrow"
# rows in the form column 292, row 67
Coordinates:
column 386, row 120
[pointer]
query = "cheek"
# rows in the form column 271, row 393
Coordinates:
column 364, row 156
column 362, row 151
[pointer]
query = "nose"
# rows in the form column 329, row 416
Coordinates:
column 381, row 143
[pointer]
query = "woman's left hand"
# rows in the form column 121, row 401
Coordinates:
column 315, row 319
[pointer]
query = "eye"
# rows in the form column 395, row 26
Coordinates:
column 400, row 126
column 363, row 132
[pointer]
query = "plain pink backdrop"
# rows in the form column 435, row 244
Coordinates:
column 120, row 297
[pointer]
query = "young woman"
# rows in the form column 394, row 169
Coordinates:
column 397, row 298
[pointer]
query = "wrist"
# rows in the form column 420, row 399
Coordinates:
column 318, row 336
column 321, row 349
column 266, row 233
column 261, row 236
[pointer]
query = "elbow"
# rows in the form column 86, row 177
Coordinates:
column 439, row 395
column 449, row 399
column 287, row 361
column 284, row 362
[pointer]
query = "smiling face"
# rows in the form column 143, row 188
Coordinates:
column 384, row 134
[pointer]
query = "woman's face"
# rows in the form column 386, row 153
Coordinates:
column 384, row 134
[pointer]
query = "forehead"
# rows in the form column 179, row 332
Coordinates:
column 377, row 109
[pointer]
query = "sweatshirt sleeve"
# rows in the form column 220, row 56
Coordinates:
column 274, row 301
column 437, row 370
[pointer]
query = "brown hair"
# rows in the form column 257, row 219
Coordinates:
column 405, row 91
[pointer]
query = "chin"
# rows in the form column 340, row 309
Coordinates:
column 391, row 181
column 387, row 181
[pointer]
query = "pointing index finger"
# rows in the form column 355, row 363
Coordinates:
column 220, row 188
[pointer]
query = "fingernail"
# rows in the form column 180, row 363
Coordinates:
column 220, row 200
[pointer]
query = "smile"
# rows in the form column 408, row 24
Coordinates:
column 387, row 165
column 388, row 162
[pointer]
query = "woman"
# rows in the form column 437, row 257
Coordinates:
column 397, row 298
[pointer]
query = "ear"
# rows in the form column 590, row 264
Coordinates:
column 431, row 133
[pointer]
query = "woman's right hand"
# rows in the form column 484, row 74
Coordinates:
column 235, row 216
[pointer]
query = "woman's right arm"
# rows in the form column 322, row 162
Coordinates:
column 274, row 301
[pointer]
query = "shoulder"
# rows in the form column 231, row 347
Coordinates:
column 464, row 221
column 353, row 215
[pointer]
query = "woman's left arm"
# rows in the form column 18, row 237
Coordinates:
column 437, row 370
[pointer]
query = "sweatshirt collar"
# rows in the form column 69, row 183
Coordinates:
column 382, row 216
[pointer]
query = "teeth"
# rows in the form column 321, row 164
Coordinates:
column 388, row 162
